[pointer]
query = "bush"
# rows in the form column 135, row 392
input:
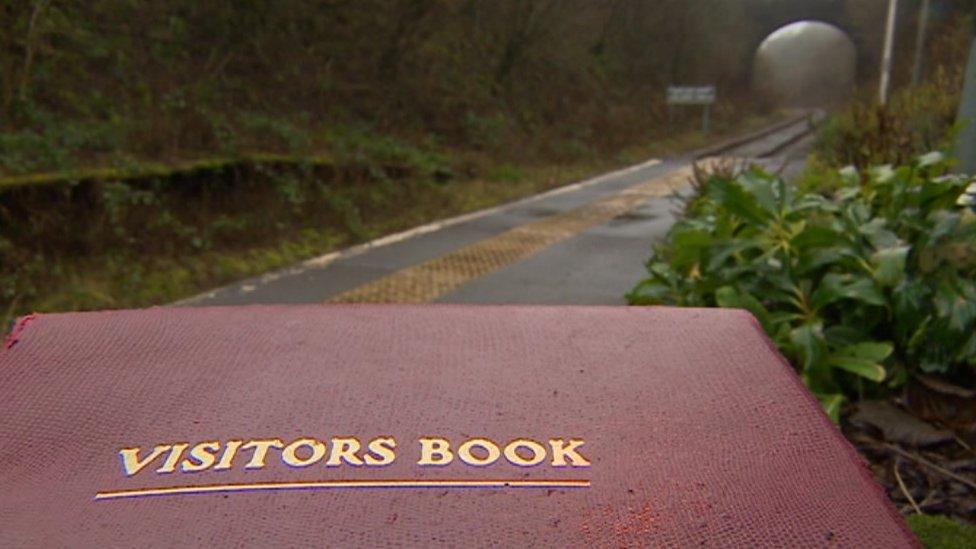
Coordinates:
column 859, row 289
column 914, row 121
column 938, row 532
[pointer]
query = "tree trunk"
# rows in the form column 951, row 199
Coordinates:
column 30, row 45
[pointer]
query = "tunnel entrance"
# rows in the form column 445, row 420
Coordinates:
column 805, row 64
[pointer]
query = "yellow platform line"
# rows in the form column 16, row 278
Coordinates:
column 431, row 279
column 335, row 484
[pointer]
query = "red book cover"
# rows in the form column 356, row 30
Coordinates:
column 370, row 425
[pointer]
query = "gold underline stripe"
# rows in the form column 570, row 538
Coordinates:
column 333, row 484
column 434, row 278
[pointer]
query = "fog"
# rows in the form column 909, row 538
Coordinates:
column 806, row 64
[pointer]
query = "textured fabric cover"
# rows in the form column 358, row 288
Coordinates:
column 697, row 430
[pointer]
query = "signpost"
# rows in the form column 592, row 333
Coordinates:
column 691, row 95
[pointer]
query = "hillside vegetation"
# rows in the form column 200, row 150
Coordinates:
column 116, row 82
column 150, row 150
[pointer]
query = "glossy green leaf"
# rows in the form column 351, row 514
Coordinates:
column 889, row 265
column 877, row 232
column 858, row 366
column 868, row 350
column 850, row 176
column 762, row 189
column 842, row 336
column 727, row 296
column 931, row 159
column 817, row 236
column 737, row 201
column 831, row 404
column 650, row 292
column 722, row 253
column 835, row 287
column 848, row 193
column 688, row 243
column 882, row 174
column 811, row 349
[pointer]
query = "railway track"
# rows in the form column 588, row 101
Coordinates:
column 771, row 141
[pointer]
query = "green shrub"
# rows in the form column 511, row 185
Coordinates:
column 377, row 153
column 486, row 132
column 859, row 289
column 506, row 172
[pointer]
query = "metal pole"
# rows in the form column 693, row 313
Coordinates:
column 966, row 140
column 889, row 44
column 923, row 23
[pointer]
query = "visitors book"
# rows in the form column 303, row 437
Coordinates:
column 367, row 425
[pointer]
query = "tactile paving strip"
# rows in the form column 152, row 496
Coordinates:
column 431, row 279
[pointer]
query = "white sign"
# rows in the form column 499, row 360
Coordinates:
column 687, row 95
